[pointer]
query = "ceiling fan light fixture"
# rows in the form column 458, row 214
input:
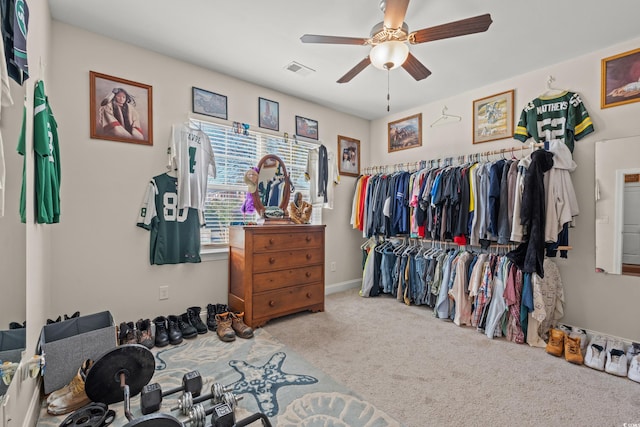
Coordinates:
column 389, row 55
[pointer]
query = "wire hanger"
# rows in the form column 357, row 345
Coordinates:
column 552, row 91
column 445, row 118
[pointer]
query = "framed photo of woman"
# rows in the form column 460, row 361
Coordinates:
column 120, row 109
column 349, row 156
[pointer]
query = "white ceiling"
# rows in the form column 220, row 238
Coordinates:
column 255, row 40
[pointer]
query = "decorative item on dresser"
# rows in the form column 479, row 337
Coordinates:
column 275, row 270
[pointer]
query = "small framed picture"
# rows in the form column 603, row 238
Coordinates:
column 405, row 133
column 120, row 109
column 209, row 103
column 268, row 114
column 306, row 127
column 493, row 117
column 349, row 152
column 620, row 79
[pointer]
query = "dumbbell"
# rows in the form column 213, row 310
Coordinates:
column 152, row 394
column 188, row 400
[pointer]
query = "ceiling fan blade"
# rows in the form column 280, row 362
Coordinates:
column 394, row 13
column 477, row 24
column 414, row 67
column 355, row 70
column 314, row 38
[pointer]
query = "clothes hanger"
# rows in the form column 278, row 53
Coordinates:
column 551, row 91
column 445, row 118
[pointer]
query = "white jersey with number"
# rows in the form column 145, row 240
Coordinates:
column 191, row 155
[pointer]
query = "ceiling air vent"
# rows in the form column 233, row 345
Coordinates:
column 299, row 69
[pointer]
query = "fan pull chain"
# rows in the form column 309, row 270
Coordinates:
column 388, row 97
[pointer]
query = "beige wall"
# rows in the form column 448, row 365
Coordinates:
column 593, row 301
column 100, row 258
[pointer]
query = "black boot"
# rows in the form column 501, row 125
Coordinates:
column 162, row 335
column 187, row 329
column 175, row 335
column 195, row 320
column 211, row 317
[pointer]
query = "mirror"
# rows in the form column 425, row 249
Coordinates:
column 618, row 206
column 273, row 185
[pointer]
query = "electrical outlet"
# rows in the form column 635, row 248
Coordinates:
column 333, row 266
column 163, row 292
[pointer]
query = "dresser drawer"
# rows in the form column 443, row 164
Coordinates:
column 284, row 278
column 271, row 261
column 274, row 242
column 270, row 304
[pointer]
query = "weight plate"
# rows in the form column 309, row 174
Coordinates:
column 155, row 420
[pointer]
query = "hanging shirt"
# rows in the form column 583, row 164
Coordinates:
column 191, row 155
column 312, row 174
column 5, row 101
column 561, row 117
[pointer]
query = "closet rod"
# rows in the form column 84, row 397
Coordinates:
column 447, row 161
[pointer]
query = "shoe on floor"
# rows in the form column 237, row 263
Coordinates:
column 74, row 397
column 224, row 329
column 188, row 330
column 633, row 350
column 145, row 337
column 240, row 328
column 162, row 334
column 582, row 334
column 555, row 346
column 596, row 354
column 634, row 369
column 572, row 351
column 196, row 321
column 616, row 363
column 212, row 311
column 175, row 334
column 127, row 334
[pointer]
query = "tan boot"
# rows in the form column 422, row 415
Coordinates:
column 75, row 397
column 241, row 329
column 555, row 346
column 224, row 328
column 572, row 351
column 86, row 365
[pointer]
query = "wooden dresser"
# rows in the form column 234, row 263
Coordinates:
column 275, row 270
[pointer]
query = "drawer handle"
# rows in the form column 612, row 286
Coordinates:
column 271, row 241
column 272, row 303
column 308, row 238
column 308, row 294
column 272, row 260
column 308, row 274
column 308, row 256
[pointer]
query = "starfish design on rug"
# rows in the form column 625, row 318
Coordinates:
column 264, row 381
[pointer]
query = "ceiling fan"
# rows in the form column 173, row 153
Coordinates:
column 388, row 40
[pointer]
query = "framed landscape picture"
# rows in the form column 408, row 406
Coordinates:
column 209, row 103
column 620, row 79
column 405, row 133
column 306, row 127
column 348, row 156
column 493, row 117
column 268, row 114
column 120, row 109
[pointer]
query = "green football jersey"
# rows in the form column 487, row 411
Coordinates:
column 562, row 117
column 175, row 233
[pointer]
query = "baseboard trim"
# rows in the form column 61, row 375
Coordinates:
column 590, row 334
column 342, row 286
column 33, row 413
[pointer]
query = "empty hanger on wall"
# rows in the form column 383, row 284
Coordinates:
column 552, row 91
column 445, row 118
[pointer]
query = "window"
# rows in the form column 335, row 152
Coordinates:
column 235, row 153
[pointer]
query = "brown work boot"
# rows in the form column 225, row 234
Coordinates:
column 555, row 346
column 71, row 396
column 572, row 351
column 144, row 333
column 224, row 328
column 241, row 329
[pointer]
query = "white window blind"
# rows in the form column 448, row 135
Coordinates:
column 236, row 153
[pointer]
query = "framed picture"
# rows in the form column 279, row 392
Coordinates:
column 209, row 103
column 349, row 152
column 405, row 133
column 620, row 79
column 493, row 117
column 306, row 127
column 120, row 109
column 268, row 114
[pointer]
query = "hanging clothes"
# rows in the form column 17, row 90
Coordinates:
column 319, row 193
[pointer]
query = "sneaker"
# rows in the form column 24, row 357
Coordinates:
column 84, row 369
column 240, row 328
column 616, row 363
column 145, row 337
column 633, row 350
column 555, row 345
column 596, row 353
column 572, row 352
column 634, row 369
column 224, row 329
column 75, row 397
